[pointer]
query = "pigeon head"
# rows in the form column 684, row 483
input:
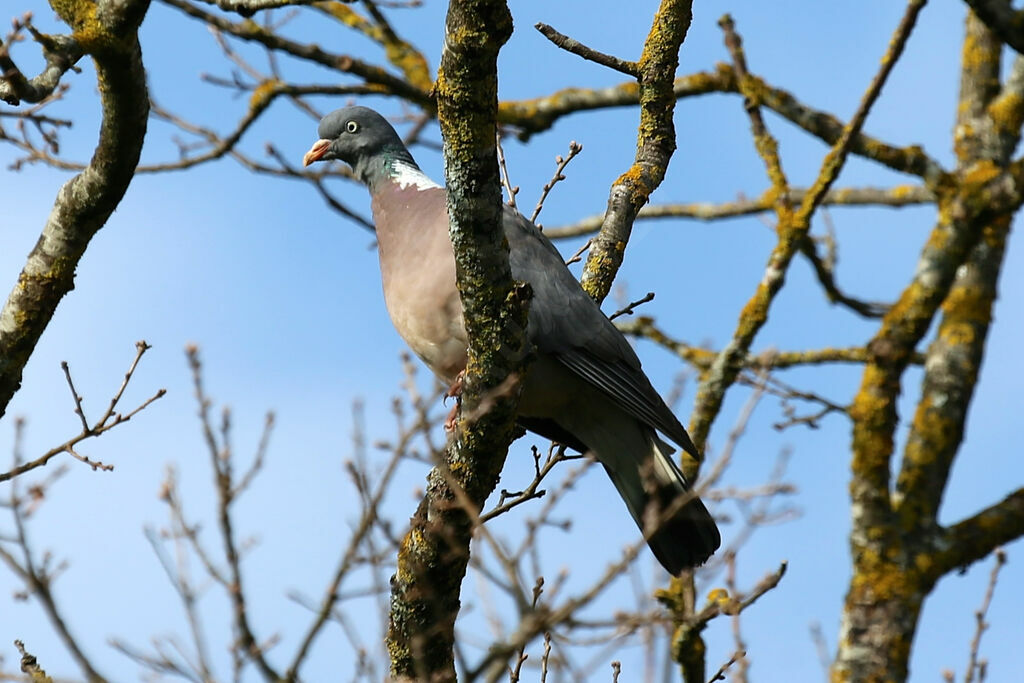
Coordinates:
column 363, row 139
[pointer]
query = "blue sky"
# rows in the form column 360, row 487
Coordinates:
column 283, row 298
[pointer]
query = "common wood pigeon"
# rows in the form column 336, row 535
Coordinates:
column 585, row 387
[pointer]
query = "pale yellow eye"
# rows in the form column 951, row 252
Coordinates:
column 352, row 126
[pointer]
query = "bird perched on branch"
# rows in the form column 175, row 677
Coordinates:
column 585, row 387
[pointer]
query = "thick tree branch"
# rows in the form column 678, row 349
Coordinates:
column 656, row 141
column 85, row 202
column 974, row 538
column 1006, row 110
column 974, row 137
column 951, row 374
column 975, row 205
column 983, row 193
column 434, row 554
column 1002, row 19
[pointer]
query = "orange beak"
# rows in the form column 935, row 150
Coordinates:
column 316, row 152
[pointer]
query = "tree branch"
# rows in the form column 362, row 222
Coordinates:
column 85, row 202
column 656, row 141
column 221, row 461
column 251, row 31
column 793, row 226
column 1002, row 19
column 434, row 554
column 896, row 197
column 108, row 421
column 60, row 52
column 539, row 114
column 577, row 48
column 891, row 534
column 974, row 538
column 951, row 374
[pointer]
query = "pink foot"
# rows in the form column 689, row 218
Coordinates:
column 449, row 422
column 454, row 391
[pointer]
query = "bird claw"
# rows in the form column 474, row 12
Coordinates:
column 454, row 391
column 449, row 422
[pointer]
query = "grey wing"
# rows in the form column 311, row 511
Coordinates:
column 566, row 323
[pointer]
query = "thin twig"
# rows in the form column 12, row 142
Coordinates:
column 508, row 500
column 720, row 674
column 896, row 197
column 578, row 256
column 836, row 157
column 574, row 149
column 38, row 581
column 980, row 626
column 505, row 179
column 109, row 420
column 742, row 665
column 821, row 648
column 577, row 48
column 331, row 595
column 220, row 457
column 628, row 309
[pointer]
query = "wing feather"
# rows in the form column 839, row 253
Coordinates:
column 566, row 323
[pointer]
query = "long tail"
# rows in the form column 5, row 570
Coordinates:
column 680, row 532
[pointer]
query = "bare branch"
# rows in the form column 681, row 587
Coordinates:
column 720, row 674
column 980, row 534
column 251, row 31
column 506, row 180
column 247, row 8
column 220, row 458
column 30, row 665
column 793, row 225
column 631, row 307
column 736, row 604
column 836, row 157
column 898, row 196
column 979, row 616
column 108, row 421
column 60, row 52
column 574, row 149
column 577, row 48
column 38, row 582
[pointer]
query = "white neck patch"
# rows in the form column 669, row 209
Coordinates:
column 406, row 175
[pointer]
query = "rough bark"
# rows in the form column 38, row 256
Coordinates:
column 656, row 141
column 432, row 561
column 107, row 32
column 899, row 550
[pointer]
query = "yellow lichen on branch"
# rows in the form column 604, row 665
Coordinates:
column 398, row 51
column 86, row 201
column 656, row 143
